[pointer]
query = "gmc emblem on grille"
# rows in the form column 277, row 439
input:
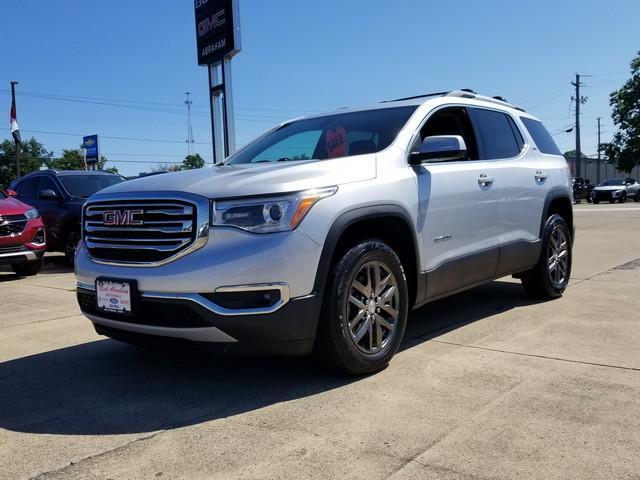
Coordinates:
column 122, row 217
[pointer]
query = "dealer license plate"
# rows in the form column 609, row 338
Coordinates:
column 114, row 296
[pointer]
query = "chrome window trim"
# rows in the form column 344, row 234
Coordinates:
column 203, row 212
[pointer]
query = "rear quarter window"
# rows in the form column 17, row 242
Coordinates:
column 541, row 136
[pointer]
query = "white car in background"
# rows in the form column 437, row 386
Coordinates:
column 617, row 189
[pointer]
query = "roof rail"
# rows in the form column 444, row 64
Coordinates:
column 467, row 93
column 436, row 94
column 462, row 93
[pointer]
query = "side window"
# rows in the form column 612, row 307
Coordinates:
column 28, row 188
column 451, row 121
column 496, row 135
column 543, row 140
column 47, row 183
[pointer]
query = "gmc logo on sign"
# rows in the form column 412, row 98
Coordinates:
column 211, row 23
column 122, row 217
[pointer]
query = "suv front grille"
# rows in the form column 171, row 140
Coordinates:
column 12, row 225
column 153, row 313
column 138, row 231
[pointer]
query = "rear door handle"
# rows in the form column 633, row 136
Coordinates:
column 540, row 177
column 484, row 181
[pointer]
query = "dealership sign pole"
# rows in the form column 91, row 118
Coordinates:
column 218, row 40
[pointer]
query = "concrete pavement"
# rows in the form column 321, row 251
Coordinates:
column 487, row 385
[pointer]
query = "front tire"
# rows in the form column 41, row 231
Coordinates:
column 550, row 277
column 27, row 269
column 70, row 244
column 365, row 309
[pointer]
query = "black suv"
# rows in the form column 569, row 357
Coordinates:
column 582, row 189
column 59, row 196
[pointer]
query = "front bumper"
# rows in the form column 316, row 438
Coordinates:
column 606, row 195
column 20, row 247
column 187, row 321
column 175, row 298
column 19, row 254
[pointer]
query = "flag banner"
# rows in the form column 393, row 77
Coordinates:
column 15, row 130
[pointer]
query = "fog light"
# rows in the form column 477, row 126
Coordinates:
column 40, row 237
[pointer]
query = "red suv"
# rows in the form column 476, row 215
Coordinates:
column 22, row 237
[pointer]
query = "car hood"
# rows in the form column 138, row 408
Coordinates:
column 229, row 181
column 12, row 206
column 610, row 188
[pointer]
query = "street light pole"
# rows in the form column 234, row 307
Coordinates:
column 598, row 166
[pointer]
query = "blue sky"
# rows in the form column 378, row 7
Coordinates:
column 301, row 57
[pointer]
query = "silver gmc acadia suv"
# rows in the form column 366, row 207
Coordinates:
column 321, row 235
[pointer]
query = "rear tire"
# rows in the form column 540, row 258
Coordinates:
column 365, row 309
column 27, row 269
column 550, row 277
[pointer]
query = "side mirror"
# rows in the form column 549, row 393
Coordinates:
column 48, row 194
column 11, row 193
column 439, row 148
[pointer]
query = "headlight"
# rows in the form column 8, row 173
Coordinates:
column 268, row 215
column 617, row 192
column 30, row 214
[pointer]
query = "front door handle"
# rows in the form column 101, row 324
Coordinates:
column 484, row 181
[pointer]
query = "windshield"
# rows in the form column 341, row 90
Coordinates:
column 330, row 136
column 614, row 182
column 86, row 185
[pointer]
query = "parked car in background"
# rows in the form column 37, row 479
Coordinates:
column 616, row 189
column 59, row 196
column 22, row 236
column 582, row 189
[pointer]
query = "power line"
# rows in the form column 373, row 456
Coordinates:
column 132, row 103
column 134, row 139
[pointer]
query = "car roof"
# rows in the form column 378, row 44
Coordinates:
column 466, row 96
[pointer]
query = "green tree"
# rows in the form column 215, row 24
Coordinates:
column 166, row 167
column 72, row 160
column 572, row 154
column 112, row 169
column 32, row 156
column 191, row 162
column 69, row 160
column 624, row 150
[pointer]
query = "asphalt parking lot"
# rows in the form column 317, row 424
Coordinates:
column 487, row 385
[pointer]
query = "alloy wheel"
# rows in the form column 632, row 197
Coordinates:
column 373, row 307
column 558, row 257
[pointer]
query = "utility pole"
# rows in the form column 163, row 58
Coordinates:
column 189, row 140
column 16, row 142
column 598, row 167
column 579, row 100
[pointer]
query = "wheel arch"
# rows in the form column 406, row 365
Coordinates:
column 558, row 201
column 391, row 224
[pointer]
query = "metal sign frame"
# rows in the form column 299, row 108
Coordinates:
column 218, row 28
